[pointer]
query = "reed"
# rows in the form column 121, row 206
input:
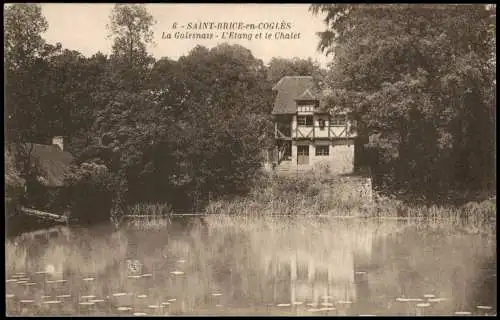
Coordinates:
column 347, row 197
column 149, row 216
column 16, row 255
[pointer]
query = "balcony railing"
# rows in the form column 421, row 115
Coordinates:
column 280, row 135
column 311, row 132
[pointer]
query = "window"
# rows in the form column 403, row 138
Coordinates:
column 305, row 121
column 302, row 150
column 321, row 123
column 305, row 108
column 322, row 150
column 338, row 120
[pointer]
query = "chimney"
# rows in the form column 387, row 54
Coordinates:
column 59, row 141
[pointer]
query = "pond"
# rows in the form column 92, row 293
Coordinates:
column 255, row 266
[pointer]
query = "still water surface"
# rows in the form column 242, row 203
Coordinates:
column 237, row 266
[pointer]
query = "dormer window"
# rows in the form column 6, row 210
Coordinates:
column 306, row 108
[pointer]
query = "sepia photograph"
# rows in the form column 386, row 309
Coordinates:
column 250, row 159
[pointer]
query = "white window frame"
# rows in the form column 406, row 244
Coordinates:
column 322, row 149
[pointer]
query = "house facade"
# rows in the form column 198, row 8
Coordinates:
column 307, row 135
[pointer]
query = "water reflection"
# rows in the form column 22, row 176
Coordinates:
column 256, row 266
column 319, row 278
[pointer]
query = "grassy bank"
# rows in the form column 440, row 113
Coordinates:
column 323, row 196
column 327, row 197
column 348, row 197
column 298, row 196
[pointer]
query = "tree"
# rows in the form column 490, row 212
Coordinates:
column 197, row 127
column 213, row 115
column 131, row 28
column 416, row 75
column 24, row 46
column 35, row 82
column 14, row 184
column 24, row 24
column 89, row 180
column 280, row 67
column 117, row 121
column 228, row 104
column 25, row 63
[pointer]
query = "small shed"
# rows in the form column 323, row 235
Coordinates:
column 50, row 163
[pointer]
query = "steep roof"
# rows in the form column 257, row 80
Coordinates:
column 290, row 89
column 51, row 161
column 307, row 95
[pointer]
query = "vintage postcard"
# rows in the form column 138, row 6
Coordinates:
column 250, row 159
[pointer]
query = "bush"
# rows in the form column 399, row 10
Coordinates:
column 14, row 191
column 90, row 192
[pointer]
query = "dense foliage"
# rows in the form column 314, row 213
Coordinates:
column 141, row 130
column 14, row 184
column 89, row 180
column 280, row 67
column 144, row 130
column 422, row 80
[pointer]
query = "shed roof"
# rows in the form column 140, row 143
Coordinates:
column 51, row 161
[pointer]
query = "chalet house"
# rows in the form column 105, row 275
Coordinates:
column 50, row 162
column 306, row 134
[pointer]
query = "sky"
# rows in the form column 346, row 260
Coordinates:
column 82, row 27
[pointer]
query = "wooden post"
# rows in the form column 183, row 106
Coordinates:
column 293, row 267
column 314, row 130
column 329, row 125
column 275, row 271
column 296, row 126
column 310, row 270
column 346, row 125
column 293, row 278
